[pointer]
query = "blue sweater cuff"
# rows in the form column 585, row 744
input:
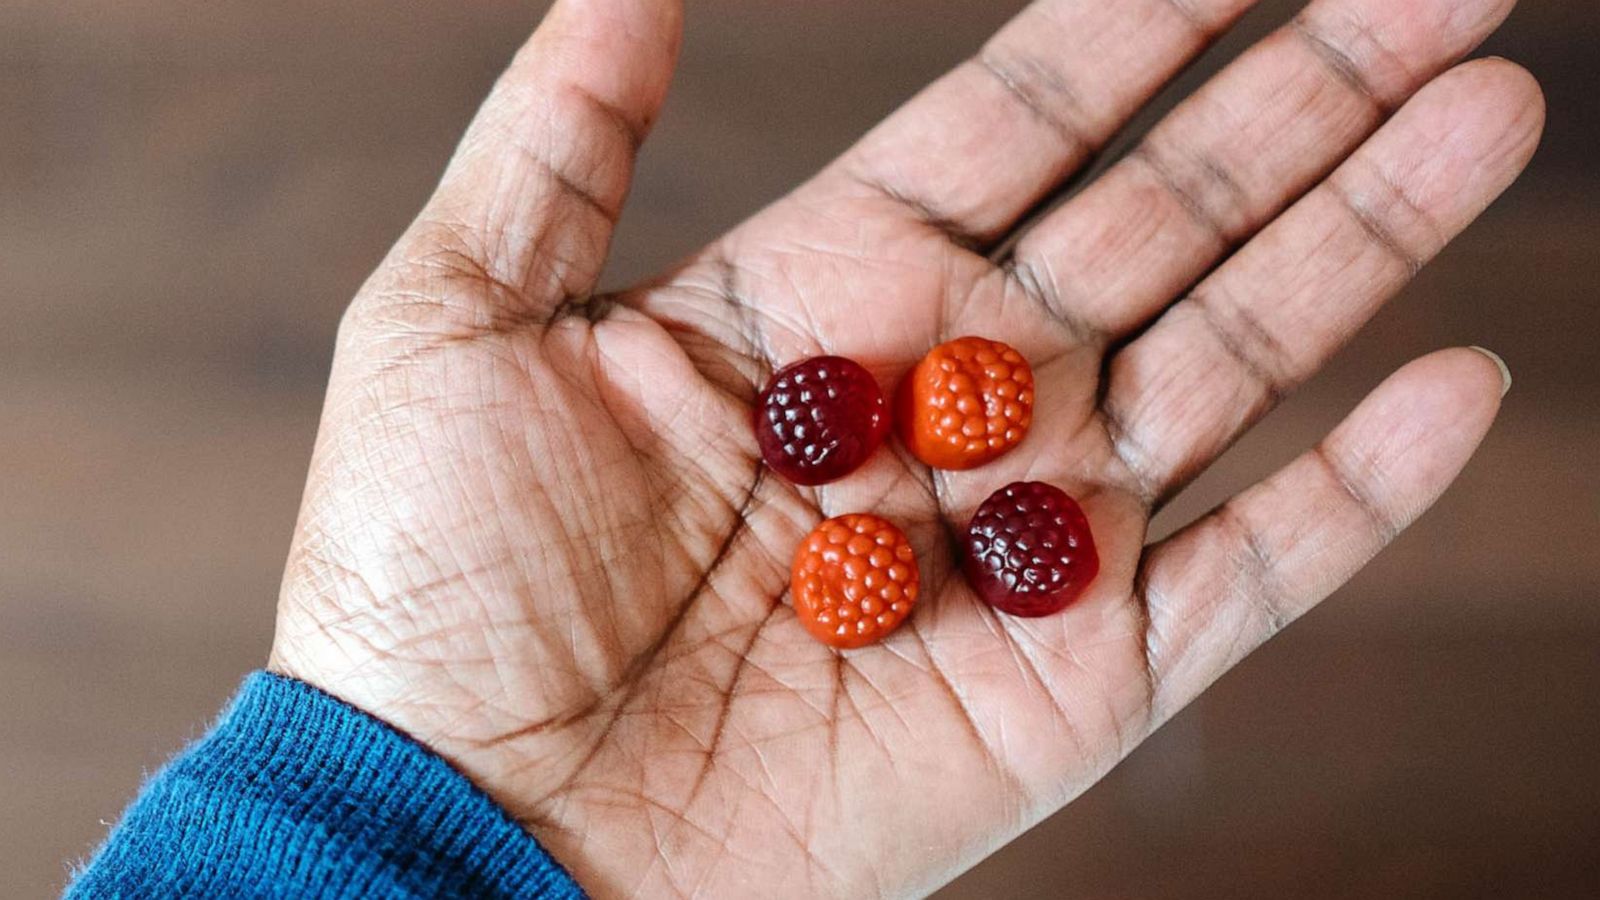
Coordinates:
column 296, row 794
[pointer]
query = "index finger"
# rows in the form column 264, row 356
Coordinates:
column 982, row 145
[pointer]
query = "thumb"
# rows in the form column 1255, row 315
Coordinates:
column 528, row 204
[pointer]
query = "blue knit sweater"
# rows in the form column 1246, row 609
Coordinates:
column 296, row 794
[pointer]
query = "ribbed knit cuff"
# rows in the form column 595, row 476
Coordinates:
column 296, row 794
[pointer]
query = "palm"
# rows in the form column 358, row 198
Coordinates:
column 538, row 536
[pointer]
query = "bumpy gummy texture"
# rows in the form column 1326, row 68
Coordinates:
column 819, row 419
column 966, row 403
column 1029, row 551
column 854, row 580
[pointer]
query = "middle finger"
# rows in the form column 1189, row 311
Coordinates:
column 1234, row 154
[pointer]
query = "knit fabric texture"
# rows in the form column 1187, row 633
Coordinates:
column 296, row 794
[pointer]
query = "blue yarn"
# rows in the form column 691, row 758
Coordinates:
column 296, row 794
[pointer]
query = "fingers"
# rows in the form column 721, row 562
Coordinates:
column 528, row 204
column 977, row 148
column 1273, row 313
column 1220, row 587
column 1236, row 152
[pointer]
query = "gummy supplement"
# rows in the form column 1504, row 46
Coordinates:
column 854, row 580
column 966, row 403
column 819, row 419
column 1029, row 551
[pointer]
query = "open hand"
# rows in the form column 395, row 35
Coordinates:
column 537, row 535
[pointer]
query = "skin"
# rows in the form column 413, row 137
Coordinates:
column 537, row 536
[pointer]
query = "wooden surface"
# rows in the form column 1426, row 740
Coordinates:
column 189, row 194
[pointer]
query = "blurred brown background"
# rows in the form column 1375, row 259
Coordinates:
column 190, row 192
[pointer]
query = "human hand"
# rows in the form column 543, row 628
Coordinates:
column 537, row 535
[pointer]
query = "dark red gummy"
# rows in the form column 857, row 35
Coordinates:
column 819, row 419
column 1029, row 551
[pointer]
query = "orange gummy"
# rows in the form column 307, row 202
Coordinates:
column 854, row 580
column 966, row 403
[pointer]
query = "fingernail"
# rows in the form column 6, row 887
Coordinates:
column 1505, row 370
